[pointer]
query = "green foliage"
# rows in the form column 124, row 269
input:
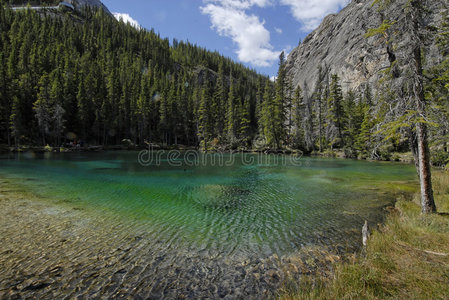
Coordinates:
column 335, row 118
column 437, row 88
column 363, row 139
column 108, row 81
column 268, row 120
column 405, row 258
column 381, row 30
column 440, row 158
column 101, row 81
column 298, row 112
column 274, row 109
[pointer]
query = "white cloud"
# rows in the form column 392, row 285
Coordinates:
column 311, row 12
column 229, row 19
column 126, row 18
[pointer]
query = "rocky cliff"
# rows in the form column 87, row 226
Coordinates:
column 339, row 46
column 92, row 3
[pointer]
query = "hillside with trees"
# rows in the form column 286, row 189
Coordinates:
column 94, row 80
column 101, row 81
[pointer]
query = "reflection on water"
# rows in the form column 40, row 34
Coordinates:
column 188, row 231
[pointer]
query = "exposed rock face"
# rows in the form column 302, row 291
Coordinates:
column 339, row 46
column 93, row 3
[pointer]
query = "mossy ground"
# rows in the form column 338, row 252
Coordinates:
column 407, row 258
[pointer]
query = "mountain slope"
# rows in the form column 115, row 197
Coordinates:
column 92, row 3
column 339, row 46
column 102, row 81
column 78, row 4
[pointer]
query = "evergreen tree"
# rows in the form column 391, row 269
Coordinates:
column 16, row 121
column 438, row 87
column 84, row 107
column 319, row 98
column 334, row 118
column 43, row 107
column 362, row 141
column 205, row 118
column 412, row 27
column 100, row 64
column 57, row 110
column 219, row 101
column 298, row 107
column 353, row 119
column 268, row 115
column 245, row 122
column 231, row 112
column 278, row 107
column 5, row 102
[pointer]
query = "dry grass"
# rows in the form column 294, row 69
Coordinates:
column 407, row 258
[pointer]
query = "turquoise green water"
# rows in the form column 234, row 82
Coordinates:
column 271, row 207
column 244, row 211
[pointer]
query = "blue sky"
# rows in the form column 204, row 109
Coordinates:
column 252, row 32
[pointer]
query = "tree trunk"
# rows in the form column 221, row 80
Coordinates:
column 9, row 136
column 425, row 178
column 414, row 148
column 445, row 144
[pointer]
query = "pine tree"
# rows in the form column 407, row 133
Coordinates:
column 268, row 112
column 164, row 121
column 289, row 95
column 412, row 27
column 42, row 107
column 298, row 107
column 57, row 110
column 16, row 121
column 279, row 128
column 219, row 101
column 143, row 109
column 5, row 102
column 334, row 118
column 319, row 98
column 173, row 116
column 362, row 141
column 245, row 122
column 84, row 106
column 205, row 118
column 353, row 116
column 438, row 88
column 231, row 112
column 100, row 65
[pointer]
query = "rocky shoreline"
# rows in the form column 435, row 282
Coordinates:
column 52, row 251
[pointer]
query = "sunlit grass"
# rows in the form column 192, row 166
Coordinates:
column 407, row 258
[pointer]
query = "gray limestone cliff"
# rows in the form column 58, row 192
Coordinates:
column 339, row 46
column 92, row 3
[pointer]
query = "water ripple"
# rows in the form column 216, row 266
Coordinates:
column 161, row 232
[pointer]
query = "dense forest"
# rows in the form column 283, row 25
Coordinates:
column 85, row 76
column 31, row 2
column 104, row 81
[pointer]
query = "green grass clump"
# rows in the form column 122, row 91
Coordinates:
column 407, row 258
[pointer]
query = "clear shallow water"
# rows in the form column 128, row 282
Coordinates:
column 221, row 218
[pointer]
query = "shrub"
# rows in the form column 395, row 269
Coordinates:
column 439, row 158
